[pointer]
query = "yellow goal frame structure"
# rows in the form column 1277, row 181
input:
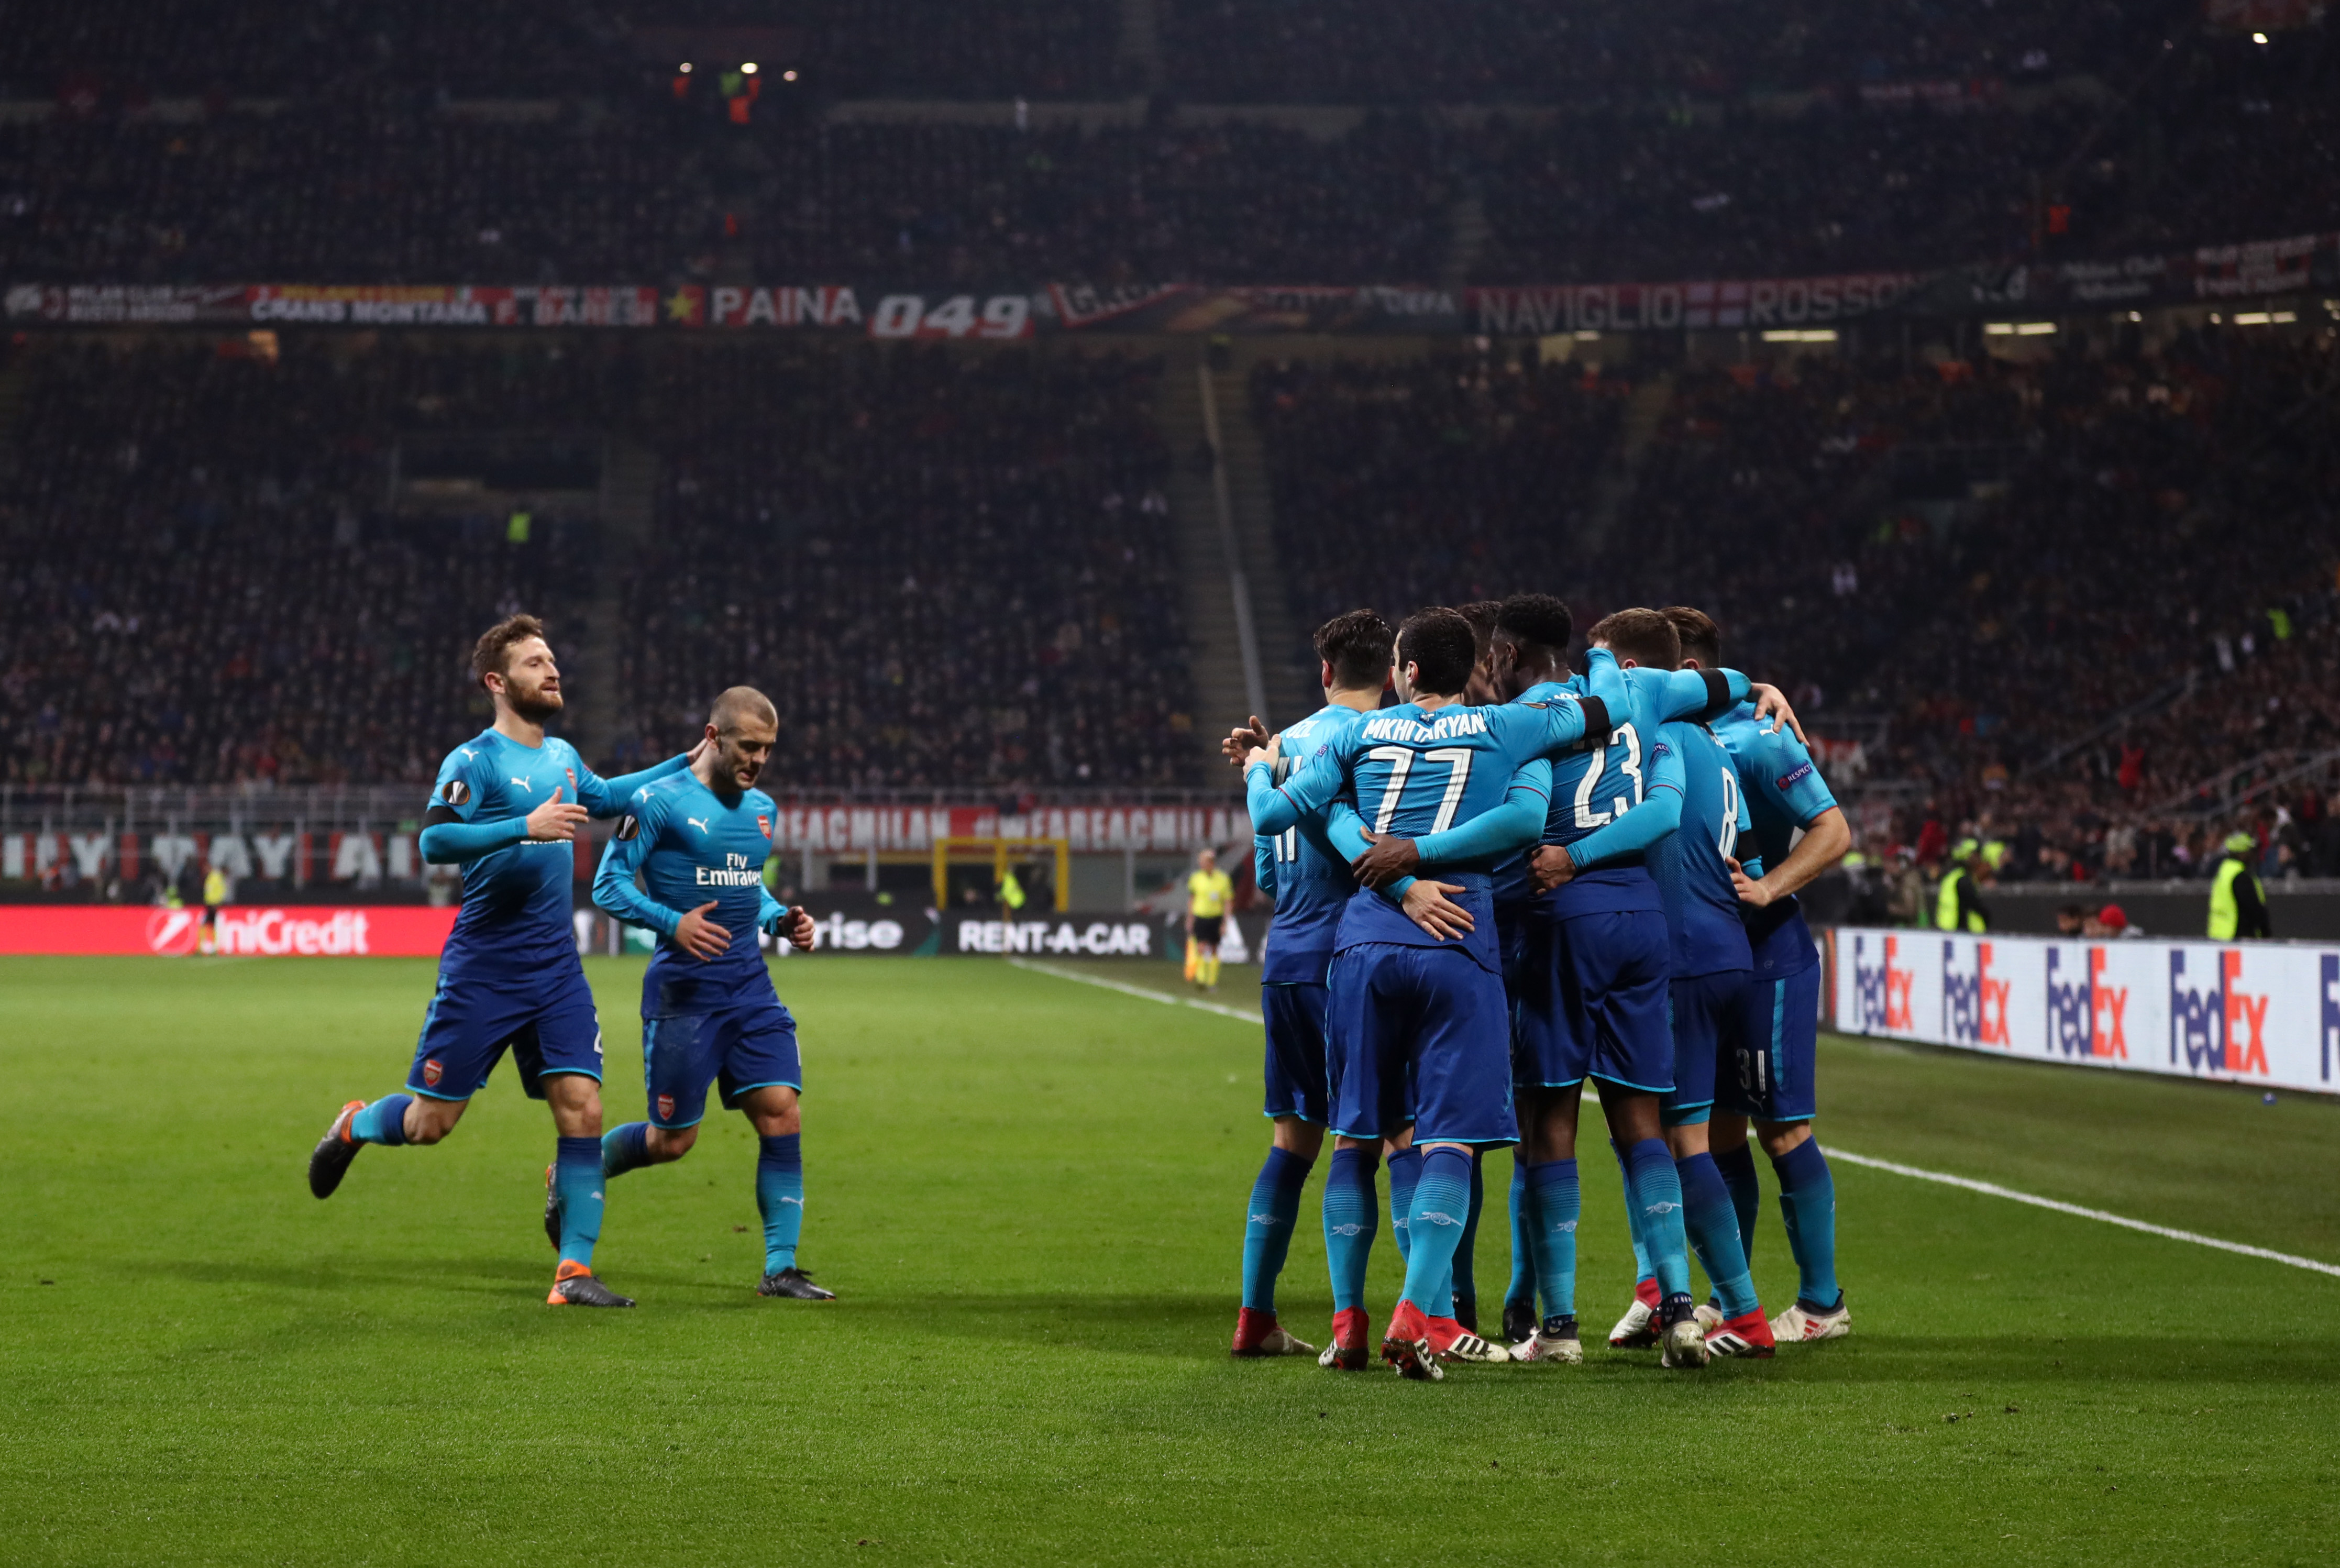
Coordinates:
column 1001, row 850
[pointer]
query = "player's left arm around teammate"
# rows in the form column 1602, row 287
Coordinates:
column 608, row 797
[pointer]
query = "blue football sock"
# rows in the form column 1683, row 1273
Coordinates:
column 1557, row 1199
column 779, row 1198
column 1405, row 1169
column 383, row 1122
column 1641, row 1270
column 1738, row 1168
column 1808, row 1205
column 1657, row 1192
column 1352, row 1214
column 1441, row 1205
column 577, row 1179
column 625, row 1149
column 1467, row 1288
column 1713, row 1226
column 1267, row 1227
column 1522, row 1285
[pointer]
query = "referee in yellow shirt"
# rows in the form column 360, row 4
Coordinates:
column 1207, row 892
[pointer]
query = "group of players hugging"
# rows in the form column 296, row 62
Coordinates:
column 1516, row 878
column 507, row 808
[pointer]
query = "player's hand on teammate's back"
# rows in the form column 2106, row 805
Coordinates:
column 799, row 931
column 557, row 820
column 1551, row 865
column 1427, row 905
column 1771, row 703
column 1749, row 890
column 701, row 937
column 1389, row 859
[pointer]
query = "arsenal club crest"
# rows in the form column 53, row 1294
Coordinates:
column 572, row 781
column 764, row 824
column 433, row 1069
column 665, row 1107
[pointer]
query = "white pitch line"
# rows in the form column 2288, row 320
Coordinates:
column 1989, row 1189
column 1237, row 1013
column 1992, row 1189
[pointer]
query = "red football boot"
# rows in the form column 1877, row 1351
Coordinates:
column 1352, row 1346
column 1258, row 1334
column 1449, row 1341
column 1406, row 1343
column 1747, row 1334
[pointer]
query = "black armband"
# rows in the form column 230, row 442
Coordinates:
column 1718, row 694
column 438, row 815
column 1597, row 724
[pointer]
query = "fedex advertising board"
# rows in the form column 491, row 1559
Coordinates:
column 2252, row 1012
column 395, row 930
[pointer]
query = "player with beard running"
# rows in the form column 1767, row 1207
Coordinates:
column 506, row 807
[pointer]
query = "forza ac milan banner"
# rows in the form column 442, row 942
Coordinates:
column 2251, row 270
column 2264, row 1012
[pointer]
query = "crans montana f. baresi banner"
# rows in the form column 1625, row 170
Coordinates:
column 294, row 931
column 2288, row 264
column 2259, row 1013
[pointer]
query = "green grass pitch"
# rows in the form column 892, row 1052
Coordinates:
column 1029, row 1192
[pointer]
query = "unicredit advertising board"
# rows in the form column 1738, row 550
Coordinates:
column 303, row 931
column 2253, row 1012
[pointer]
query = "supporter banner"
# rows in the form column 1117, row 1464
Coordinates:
column 1638, row 307
column 2253, row 1013
column 852, row 828
column 260, row 931
column 2204, row 275
column 2255, row 269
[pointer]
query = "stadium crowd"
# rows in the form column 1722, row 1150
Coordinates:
column 946, row 571
column 198, row 588
column 1961, row 567
column 375, row 182
column 975, row 547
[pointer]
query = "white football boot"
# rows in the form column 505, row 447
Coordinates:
column 1798, row 1326
column 1637, row 1328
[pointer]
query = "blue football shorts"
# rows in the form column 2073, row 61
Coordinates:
column 1294, row 1015
column 543, row 1014
column 747, row 1047
column 1776, row 1049
column 1591, row 1002
column 1704, row 1013
column 1418, row 1033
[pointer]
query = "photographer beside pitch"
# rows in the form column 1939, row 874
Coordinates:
column 699, row 839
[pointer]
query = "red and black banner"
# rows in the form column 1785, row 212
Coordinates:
column 2297, row 264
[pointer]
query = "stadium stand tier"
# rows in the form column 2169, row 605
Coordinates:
column 381, row 180
column 947, row 569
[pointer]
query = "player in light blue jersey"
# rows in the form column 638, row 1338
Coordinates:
column 1786, row 797
column 1591, row 990
column 698, row 841
column 507, row 808
column 1418, row 1039
column 1688, row 827
column 1311, row 884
